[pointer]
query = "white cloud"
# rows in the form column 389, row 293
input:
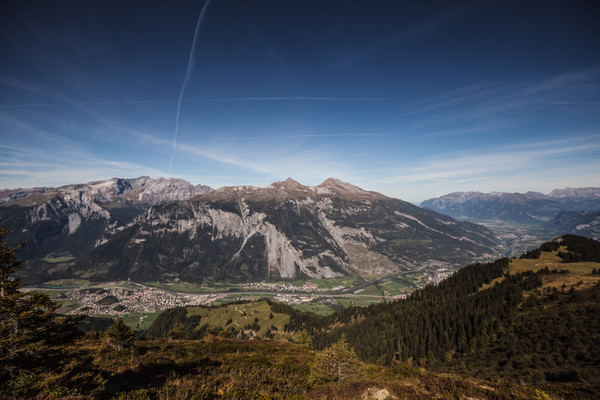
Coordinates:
column 531, row 166
column 62, row 166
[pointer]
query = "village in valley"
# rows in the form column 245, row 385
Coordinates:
column 122, row 298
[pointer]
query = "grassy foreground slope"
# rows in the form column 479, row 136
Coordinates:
column 217, row 368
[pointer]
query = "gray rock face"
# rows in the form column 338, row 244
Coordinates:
column 142, row 191
column 71, row 219
column 588, row 193
column 283, row 231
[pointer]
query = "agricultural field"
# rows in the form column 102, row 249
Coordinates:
column 357, row 301
column 391, row 287
column 140, row 321
column 333, row 283
column 371, row 290
column 315, row 308
column 68, row 283
column 66, row 306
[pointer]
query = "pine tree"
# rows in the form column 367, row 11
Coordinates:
column 337, row 363
column 31, row 334
column 119, row 336
column 8, row 266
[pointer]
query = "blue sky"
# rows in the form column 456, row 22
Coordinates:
column 413, row 99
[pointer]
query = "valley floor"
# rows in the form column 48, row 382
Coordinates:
column 139, row 304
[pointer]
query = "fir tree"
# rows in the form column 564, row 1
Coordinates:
column 9, row 264
column 31, row 334
column 119, row 336
column 337, row 363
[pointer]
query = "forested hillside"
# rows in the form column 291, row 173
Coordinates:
column 528, row 320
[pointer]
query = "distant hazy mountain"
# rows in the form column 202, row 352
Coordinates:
column 530, row 207
column 583, row 223
column 285, row 230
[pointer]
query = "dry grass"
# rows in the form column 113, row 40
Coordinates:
column 228, row 369
column 580, row 274
column 240, row 315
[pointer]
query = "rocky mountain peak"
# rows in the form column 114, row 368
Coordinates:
column 8, row 195
column 288, row 184
column 292, row 189
column 346, row 190
column 291, row 182
column 576, row 193
column 458, row 197
column 332, row 183
column 288, row 189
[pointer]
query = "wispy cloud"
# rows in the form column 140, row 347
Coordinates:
column 17, row 163
column 294, row 98
column 85, row 103
column 486, row 97
column 252, row 160
column 274, row 161
column 66, row 164
column 208, row 100
column 540, row 166
column 488, row 107
column 490, row 163
column 277, row 137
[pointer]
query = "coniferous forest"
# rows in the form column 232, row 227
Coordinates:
column 520, row 329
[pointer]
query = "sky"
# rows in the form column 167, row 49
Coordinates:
column 413, row 99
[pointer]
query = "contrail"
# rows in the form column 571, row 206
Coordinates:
column 188, row 73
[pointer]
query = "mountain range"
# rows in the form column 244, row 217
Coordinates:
column 570, row 210
column 165, row 229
